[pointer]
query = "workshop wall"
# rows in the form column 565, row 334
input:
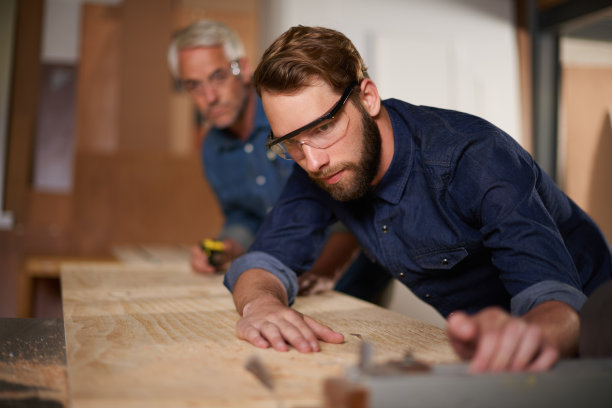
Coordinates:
column 135, row 167
column 135, row 174
column 585, row 136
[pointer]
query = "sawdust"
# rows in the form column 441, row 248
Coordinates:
column 33, row 372
column 24, row 380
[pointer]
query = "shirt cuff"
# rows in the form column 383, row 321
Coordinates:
column 261, row 260
column 238, row 233
column 544, row 291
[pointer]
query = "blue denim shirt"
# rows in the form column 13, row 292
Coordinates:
column 463, row 216
column 245, row 177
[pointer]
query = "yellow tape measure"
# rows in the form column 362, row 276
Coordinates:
column 214, row 250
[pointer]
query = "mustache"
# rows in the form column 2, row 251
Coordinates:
column 328, row 172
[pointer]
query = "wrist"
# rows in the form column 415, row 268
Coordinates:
column 260, row 301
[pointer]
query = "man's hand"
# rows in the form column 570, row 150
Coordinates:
column 267, row 322
column 201, row 264
column 199, row 261
column 496, row 341
column 337, row 255
column 310, row 283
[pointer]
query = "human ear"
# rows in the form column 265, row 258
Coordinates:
column 246, row 72
column 369, row 97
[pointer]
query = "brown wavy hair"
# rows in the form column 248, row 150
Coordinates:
column 302, row 55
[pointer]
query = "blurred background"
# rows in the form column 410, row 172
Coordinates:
column 98, row 149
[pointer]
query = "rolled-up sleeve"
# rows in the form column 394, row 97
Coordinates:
column 544, row 291
column 262, row 260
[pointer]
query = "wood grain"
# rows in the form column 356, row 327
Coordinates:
column 159, row 336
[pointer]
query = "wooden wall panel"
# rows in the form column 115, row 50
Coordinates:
column 145, row 86
column 129, row 198
column 24, row 106
column 137, row 179
column 21, row 132
column 586, row 101
column 98, row 86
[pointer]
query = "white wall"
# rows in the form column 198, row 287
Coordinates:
column 456, row 54
column 62, row 29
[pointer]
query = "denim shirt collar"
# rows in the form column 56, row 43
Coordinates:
column 392, row 185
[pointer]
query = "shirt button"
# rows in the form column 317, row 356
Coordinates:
column 445, row 261
column 401, row 274
column 384, row 229
column 427, row 296
column 248, row 148
column 260, row 180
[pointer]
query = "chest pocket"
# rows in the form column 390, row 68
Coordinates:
column 441, row 259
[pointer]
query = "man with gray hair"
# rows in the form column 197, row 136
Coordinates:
column 208, row 60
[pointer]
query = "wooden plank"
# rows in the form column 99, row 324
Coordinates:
column 153, row 253
column 158, row 335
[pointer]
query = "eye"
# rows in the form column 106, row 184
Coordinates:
column 190, row 84
column 291, row 142
column 219, row 76
column 325, row 127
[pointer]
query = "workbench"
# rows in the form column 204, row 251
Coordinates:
column 144, row 335
column 48, row 266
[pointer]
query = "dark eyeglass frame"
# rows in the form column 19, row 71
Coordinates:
column 271, row 140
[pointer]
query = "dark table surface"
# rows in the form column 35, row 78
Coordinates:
column 32, row 363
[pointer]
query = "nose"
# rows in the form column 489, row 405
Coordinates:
column 315, row 158
column 208, row 93
column 204, row 95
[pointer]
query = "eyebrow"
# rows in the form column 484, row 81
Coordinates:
column 326, row 116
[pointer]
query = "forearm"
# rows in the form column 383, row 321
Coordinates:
column 560, row 325
column 337, row 254
column 258, row 286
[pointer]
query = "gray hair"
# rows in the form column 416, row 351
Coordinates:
column 204, row 33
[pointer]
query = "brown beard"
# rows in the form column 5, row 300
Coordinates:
column 364, row 170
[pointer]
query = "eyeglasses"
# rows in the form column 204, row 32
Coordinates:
column 326, row 130
column 215, row 81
